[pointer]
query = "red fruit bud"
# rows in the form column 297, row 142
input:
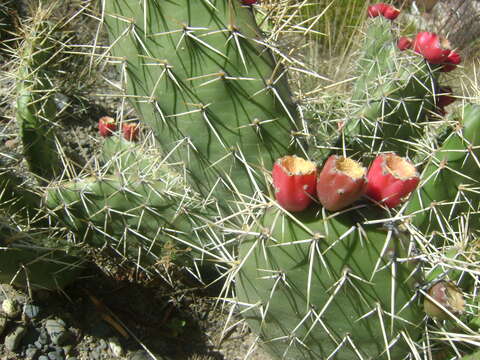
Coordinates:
column 436, row 50
column 391, row 178
column 444, row 295
column 106, row 126
column 387, row 11
column 445, row 97
column 376, row 10
column 341, row 182
column 391, row 13
column 294, row 180
column 248, row 2
column 404, row 43
column 130, row 131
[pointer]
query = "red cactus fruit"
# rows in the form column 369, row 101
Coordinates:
column 404, row 43
column 294, row 180
column 391, row 12
column 436, row 50
column 382, row 9
column 390, row 179
column 341, row 182
column 131, row 131
column 106, row 126
column 446, row 295
column 376, row 9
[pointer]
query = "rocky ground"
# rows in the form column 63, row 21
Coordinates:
column 99, row 317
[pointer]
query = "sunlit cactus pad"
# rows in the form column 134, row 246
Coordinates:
column 314, row 287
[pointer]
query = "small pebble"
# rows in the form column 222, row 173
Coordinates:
column 53, row 355
column 115, row 347
column 38, row 344
column 3, row 323
column 10, row 307
column 56, row 330
column 31, row 311
column 94, row 354
column 13, row 339
column 67, row 349
column 43, row 357
column 103, row 345
column 43, row 337
column 31, row 353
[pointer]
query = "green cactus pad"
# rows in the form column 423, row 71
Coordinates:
column 24, row 262
column 393, row 95
column 199, row 75
column 450, row 180
column 314, row 287
column 137, row 205
column 36, row 110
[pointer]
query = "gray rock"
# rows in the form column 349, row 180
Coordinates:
column 56, row 329
column 103, row 345
column 67, row 349
column 30, row 353
column 31, row 311
column 13, row 339
column 43, row 337
column 53, row 355
column 10, row 307
column 38, row 344
column 94, row 354
column 3, row 323
column 115, row 347
column 43, row 357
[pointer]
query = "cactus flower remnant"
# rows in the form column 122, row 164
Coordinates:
column 390, row 179
column 131, row 131
column 341, row 182
column 436, row 50
column 381, row 9
column 294, row 180
column 106, row 126
column 444, row 295
column 248, row 2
